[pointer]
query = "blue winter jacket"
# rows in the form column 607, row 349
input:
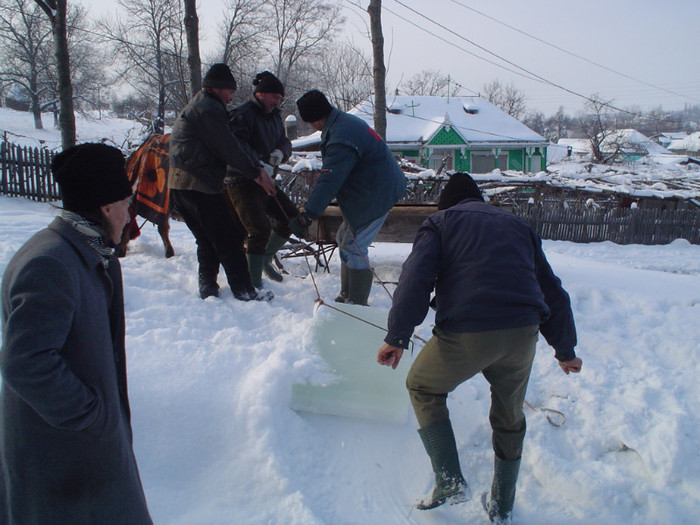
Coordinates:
column 358, row 170
column 489, row 273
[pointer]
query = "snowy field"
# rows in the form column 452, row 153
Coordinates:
column 217, row 444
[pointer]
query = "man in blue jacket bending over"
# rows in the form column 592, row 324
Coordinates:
column 494, row 291
column 362, row 174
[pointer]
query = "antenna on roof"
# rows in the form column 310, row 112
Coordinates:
column 448, row 88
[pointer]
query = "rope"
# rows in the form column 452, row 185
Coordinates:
column 319, row 300
column 544, row 409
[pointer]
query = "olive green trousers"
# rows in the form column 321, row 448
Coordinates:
column 449, row 359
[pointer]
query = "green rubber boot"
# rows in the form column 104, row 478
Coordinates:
column 450, row 486
column 344, row 284
column 500, row 504
column 255, row 266
column 359, row 286
column 274, row 243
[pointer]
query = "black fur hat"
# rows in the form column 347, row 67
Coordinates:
column 90, row 175
column 219, row 76
column 313, row 105
column 266, row 82
column 460, row 186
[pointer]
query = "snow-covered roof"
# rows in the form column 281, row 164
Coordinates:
column 578, row 146
column 411, row 120
column 688, row 143
column 633, row 141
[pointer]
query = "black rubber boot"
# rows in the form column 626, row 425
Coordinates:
column 208, row 286
column 274, row 243
column 255, row 267
column 450, row 486
column 344, row 284
column 500, row 504
column 359, row 286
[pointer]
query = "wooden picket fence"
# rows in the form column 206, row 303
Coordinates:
column 26, row 172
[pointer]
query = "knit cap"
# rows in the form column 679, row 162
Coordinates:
column 90, row 175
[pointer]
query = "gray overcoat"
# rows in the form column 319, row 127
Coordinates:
column 66, row 454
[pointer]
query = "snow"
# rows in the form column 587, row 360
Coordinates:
column 210, row 387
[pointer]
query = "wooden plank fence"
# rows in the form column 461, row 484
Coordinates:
column 618, row 225
column 26, row 172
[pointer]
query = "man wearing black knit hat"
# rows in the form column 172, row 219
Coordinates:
column 362, row 174
column 66, row 451
column 201, row 147
column 494, row 292
column 258, row 126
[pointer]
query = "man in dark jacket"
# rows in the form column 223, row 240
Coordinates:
column 258, row 126
column 201, row 145
column 359, row 172
column 66, row 454
column 494, row 291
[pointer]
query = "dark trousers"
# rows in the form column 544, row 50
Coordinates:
column 255, row 207
column 219, row 237
column 504, row 357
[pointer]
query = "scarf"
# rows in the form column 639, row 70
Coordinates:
column 93, row 233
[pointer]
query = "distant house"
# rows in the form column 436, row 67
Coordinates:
column 466, row 133
column 688, row 145
column 665, row 138
column 632, row 145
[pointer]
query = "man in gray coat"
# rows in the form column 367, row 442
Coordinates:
column 66, row 454
column 494, row 292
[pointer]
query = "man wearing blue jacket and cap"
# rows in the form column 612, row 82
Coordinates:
column 494, row 292
column 359, row 172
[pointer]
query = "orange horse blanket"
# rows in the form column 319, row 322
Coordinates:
column 147, row 169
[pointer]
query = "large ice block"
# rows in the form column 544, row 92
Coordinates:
column 362, row 388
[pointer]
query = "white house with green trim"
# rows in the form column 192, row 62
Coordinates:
column 472, row 133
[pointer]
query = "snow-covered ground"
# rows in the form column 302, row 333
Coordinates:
column 217, row 444
column 210, row 384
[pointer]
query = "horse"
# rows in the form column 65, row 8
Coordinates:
column 147, row 169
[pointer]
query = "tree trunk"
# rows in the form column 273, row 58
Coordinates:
column 66, row 117
column 375, row 16
column 193, row 59
column 56, row 11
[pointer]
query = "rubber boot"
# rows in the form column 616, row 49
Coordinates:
column 359, row 286
column 505, row 477
column 344, row 284
column 274, row 243
column 439, row 442
column 255, row 267
column 208, row 286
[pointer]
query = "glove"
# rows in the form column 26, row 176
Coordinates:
column 299, row 224
column 268, row 169
column 276, row 157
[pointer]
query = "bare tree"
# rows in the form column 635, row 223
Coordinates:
column 26, row 36
column 345, row 75
column 379, row 70
column 597, row 125
column 56, row 11
column 429, row 82
column 150, row 40
column 509, row 98
column 298, row 29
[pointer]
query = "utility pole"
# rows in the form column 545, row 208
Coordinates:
column 375, row 18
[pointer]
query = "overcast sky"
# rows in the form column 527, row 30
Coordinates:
column 636, row 53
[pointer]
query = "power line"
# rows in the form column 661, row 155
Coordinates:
column 537, row 77
column 572, row 53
